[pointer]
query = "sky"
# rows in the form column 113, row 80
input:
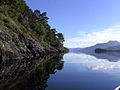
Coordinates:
column 83, row 22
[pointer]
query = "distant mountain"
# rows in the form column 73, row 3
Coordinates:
column 75, row 50
column 114, row 48
column 109, row 45
column 111, row 56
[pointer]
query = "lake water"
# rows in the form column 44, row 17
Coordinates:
column 85, row 72
column 73, row 71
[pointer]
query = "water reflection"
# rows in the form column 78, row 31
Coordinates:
column 110, row 56
column 85, row 72
column 81, row 72
column 30, row 74
column 93, row 63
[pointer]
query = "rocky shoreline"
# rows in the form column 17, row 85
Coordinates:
column 20, row 55
column 26, row 40
column 18, row 46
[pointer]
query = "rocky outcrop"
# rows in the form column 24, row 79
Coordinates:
column 20, row 55
column 18, row 46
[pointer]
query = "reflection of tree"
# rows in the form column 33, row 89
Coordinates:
column 34, row 78
column 60, row 65
column 99, row 50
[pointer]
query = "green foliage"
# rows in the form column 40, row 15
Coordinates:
column 60, row 37
column 51, row 37
column 40, row 30
column 37, row 13
column 35, row 21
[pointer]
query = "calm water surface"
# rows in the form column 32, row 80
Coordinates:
column 85, row 72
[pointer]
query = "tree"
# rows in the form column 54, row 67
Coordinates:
column 44, row 18
column 60, row 37
column 41, row 31
column 37, row 13
column 54, row 30
column 36, row 22
column 7, row 2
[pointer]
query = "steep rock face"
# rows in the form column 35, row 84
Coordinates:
column 16, row 46
column 20, row 54
column 25, row 33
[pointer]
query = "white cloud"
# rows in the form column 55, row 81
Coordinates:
column 100, row 36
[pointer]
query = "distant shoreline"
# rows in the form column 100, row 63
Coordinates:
column 100, row 50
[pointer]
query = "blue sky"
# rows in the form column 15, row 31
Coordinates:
column 83, row 22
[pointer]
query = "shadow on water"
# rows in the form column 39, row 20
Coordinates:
column 29, row 74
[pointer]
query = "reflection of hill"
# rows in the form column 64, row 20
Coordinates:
column 110, row 56
column 102, row 49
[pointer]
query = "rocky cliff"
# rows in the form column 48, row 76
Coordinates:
column 26, row 34
column 26, row 40
column 15, row 45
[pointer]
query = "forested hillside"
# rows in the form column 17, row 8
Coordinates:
column 28, row 31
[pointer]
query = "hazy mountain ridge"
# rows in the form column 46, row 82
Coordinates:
column 109, row 45
column 76, row 50
column 111, row 56
column 114, row 48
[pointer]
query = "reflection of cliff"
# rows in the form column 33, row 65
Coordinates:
column 110, row 56
column 29, row 74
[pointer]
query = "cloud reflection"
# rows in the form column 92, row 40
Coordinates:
column 91, row 62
